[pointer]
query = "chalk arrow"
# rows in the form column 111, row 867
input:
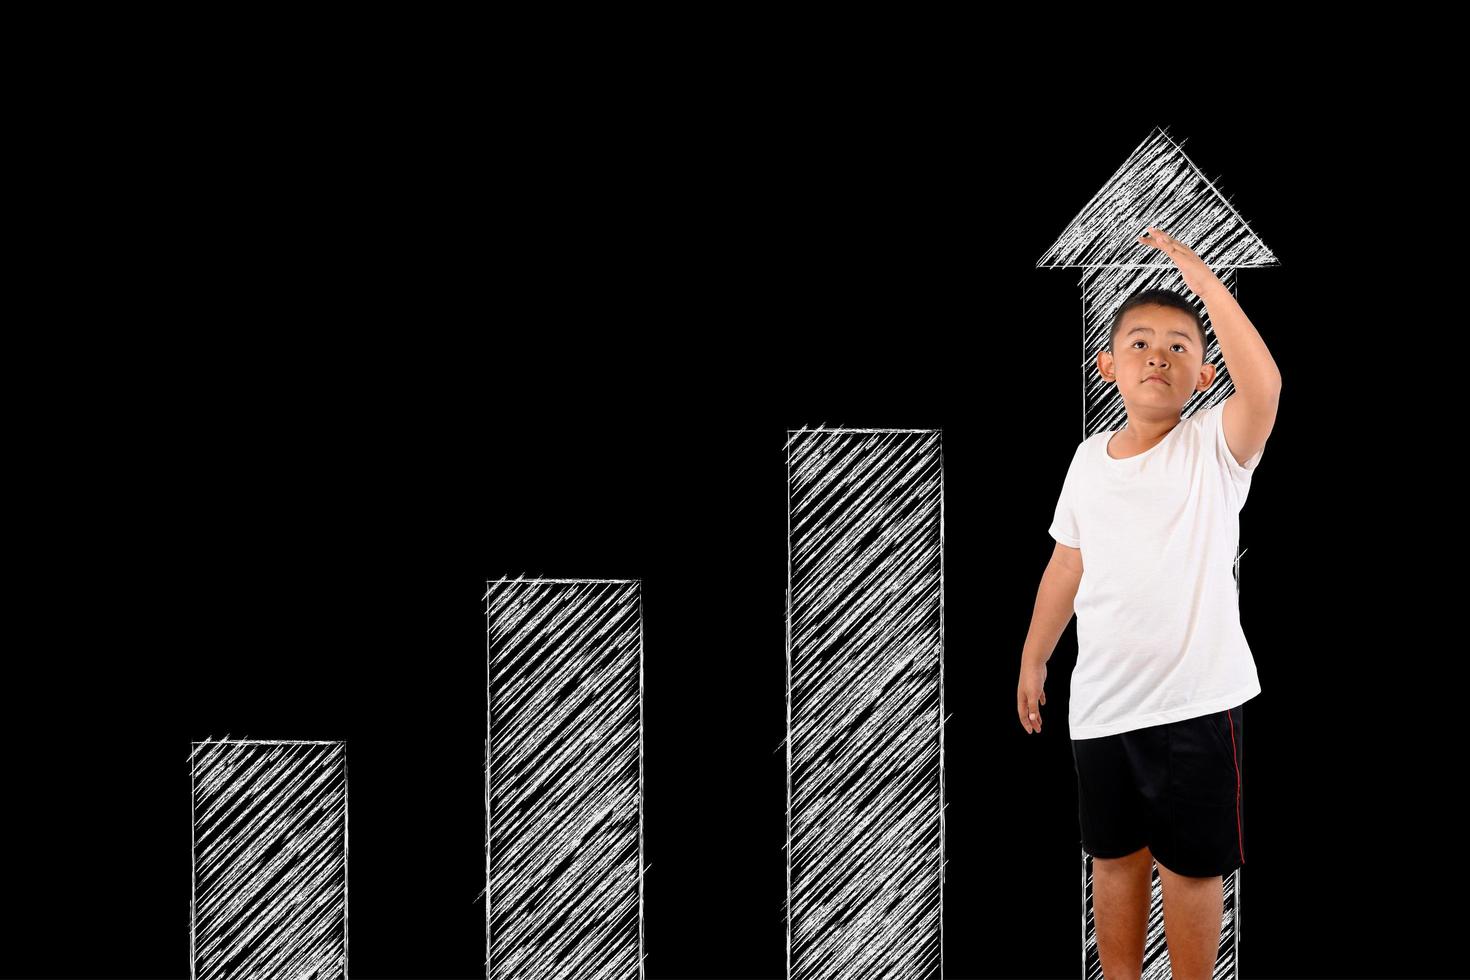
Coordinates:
column 1159, row 186
column 1156, row 185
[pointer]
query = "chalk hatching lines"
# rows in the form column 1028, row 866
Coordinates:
column 563, row 779
column 865, row 793
column 270, row 860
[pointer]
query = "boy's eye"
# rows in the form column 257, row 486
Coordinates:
column 1171, row 345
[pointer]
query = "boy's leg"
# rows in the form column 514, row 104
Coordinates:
column 1193, row 908
column 1122, row 889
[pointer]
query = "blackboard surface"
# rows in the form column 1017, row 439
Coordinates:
column 267, row 507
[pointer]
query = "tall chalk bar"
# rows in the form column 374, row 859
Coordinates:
column 1158, row 185
column 270, row 860
column 564, row 779
column 865, row 704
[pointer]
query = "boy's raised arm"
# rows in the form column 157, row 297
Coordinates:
column 1250, row 414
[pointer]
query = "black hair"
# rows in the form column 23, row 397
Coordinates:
column 1159, row 297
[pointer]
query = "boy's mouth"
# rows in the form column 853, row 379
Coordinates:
column 1155, row 377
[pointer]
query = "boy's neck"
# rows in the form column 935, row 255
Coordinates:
column 1143, row 433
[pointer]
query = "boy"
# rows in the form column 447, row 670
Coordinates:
column 1162, row 665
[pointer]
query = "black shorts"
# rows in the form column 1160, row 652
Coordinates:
column 1175, row 788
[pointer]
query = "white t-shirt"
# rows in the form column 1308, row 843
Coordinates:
column 1158, row 614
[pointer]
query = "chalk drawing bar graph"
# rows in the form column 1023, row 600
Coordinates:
column 564, row 779
column 269, row 860
column 865, row 704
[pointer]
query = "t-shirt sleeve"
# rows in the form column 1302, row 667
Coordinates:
column 1064, row 527
column 1239, row 476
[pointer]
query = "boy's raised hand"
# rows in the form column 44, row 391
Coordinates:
column 1195, row 272
column 1030, row 695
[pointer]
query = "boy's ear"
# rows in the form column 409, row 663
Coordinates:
column 1105, row 364
column 1207, row 375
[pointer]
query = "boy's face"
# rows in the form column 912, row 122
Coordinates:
column 1156, row 340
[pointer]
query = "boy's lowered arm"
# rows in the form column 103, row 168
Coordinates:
column 1053, row 609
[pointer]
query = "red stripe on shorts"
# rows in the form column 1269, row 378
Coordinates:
column 1239, row 835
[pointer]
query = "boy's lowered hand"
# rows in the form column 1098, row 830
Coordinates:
column 1030, row 695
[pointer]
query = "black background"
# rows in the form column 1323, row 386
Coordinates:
column 347, row 374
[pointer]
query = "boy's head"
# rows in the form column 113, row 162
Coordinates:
column 1156, row 332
